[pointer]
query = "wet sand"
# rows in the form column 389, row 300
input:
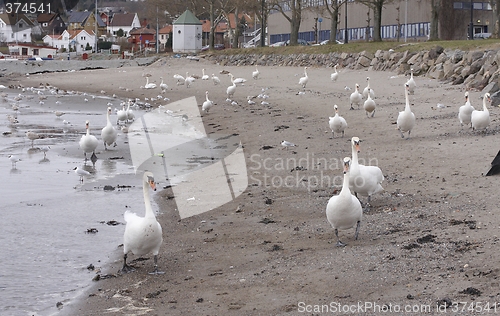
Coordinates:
column 430, row 238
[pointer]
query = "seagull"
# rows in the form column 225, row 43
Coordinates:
column 287, row 144
column 32, row 136
column 14, row 159
column 45, row 149
column 81, row 173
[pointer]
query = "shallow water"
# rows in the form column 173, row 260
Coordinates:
column 46, row 211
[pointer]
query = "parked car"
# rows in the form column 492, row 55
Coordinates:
column 277, row 44
column 299, row 41
column 482, row 35
column 216, row 47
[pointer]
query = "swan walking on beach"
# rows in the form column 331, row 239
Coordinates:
column 344, row 211
column 481, row 119
column 369, row 105
column 303, row 80
column 207, row 104
column 337, row 123
column 215, row 79
column 356, row 97
column 231, row 89
column 368, row 89
column 108, row 133
column 335, row 75
column 364, row 180
column 163, row 86
column 465, row 111
column 142, row 235
column 121, row 115
column 88, row 143
column 406, row 118
column 204, row 76
column 255, row 73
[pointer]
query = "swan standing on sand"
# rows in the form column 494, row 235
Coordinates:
column 130, row 113
column 465, row 111
column 481, row 119
column 215, row 79
column 88, row 143
column 108, row 133
column 337, row 123
column 406, row 118
column 411, row 83
column 335, row 75
column 204, row 77
column 189, row 80
column 356, row 97
column 121, row 115
column 180, row 79
column 364, row 180
column 368, row 89
column 142, row 235
column 369, row 105
column 207, row 104
column 344, row 211
column 303, row 80
column 231, row 89
column 256, row 73
column 163, row 86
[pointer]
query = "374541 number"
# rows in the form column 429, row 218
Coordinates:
column 27, row 7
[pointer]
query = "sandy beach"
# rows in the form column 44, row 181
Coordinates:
column 428, row 241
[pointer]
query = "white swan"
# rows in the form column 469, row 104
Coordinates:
column 204, row 77
column 344, row 211
column 180, row 79
column 142, row 235
column 364, row 180
column 335, row 75
column 465, row 111
column 207, row 104
column 406, row 118
column 108, row 133
column 411, row 82
column 256, row 73
column 121, row 115
column 88, row 143
column 369, row 105
column 303, row 80
column 189, row 80
column 163, row 86
column 481, row 119
column 215, row 79
column 231, row 89
column 337, row 123
column 149, row 85
column 130, row 113
column 32, row 136
column 356, row 97
column 368, row 89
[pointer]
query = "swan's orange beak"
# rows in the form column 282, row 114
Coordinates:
column 152, row 184
column 357, row 147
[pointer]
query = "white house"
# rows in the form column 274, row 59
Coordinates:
column 77, row 40
column 15, row 28
column 123, row 21
column 29, row 50
column 187, row 34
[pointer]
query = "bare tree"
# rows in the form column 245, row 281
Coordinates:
column 294, row 16
column 376, row 6
column 434, row 28
column 333, row 10
column 495, row 4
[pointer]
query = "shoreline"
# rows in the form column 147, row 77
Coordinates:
column 272, row 247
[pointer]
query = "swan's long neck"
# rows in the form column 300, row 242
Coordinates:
column 206, row 94
column 88, row 130
column 147, row 198
column 354, row 156
column 345, row 184
column 107, row 117
column 484, row 104
column 128, row 107
column 407, row 106
column 147, row 80
column 305, row 72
